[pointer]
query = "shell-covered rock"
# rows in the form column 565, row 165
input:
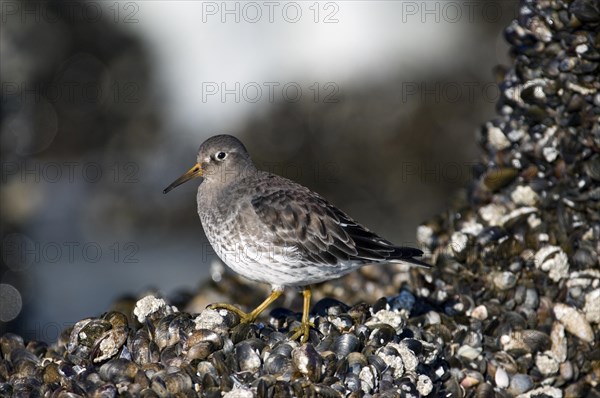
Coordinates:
column 510, row 308
column 523, row 248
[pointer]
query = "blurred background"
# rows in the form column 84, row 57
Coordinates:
column 375, row 105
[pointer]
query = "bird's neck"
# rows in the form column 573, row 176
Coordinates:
column 214, row 187
column 225, row 177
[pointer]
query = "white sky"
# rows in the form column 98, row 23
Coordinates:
column 195, row 51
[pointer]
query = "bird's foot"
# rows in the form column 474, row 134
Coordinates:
column 251, row 316
column 302, row 331
column 244, row 317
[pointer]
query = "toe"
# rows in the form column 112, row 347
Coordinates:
column 244, row 317
column 302, row 332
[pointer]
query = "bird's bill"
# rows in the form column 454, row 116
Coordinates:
column 192, row 173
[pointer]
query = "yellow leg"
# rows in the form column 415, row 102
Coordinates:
column 304, row 328
column 251, row 316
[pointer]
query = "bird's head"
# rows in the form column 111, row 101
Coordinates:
column 221, row 159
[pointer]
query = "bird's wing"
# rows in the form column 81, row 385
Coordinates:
column 317, row 230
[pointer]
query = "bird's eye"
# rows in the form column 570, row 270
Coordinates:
column 221, row 155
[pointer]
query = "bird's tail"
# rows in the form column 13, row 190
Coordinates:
column 407, row 254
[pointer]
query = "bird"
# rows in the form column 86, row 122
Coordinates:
column 272, row 230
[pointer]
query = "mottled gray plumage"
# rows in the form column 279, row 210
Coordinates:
column 273, row 230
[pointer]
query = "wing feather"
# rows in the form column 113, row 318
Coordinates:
column 317, row 230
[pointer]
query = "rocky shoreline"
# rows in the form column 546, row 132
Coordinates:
column 511, row 308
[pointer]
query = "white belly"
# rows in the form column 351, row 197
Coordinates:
column 277, row 266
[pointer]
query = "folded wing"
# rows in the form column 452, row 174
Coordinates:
column 319, row 232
